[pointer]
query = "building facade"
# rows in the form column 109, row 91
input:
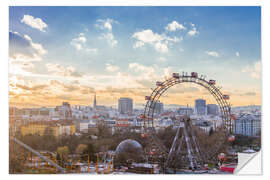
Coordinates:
column 125, row 106
column 247, row 124
column 41, row 129
column 212, row 109
column 159, row 107
column 64, row 111
column 200, row 107
column 185, row 111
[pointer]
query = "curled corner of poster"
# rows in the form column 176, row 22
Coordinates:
column 249, row 164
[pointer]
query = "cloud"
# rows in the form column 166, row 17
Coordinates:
column 21, row 67
column 38, row 47
column 106, row 24
column 174, row 26
column 67, row 87
column 31, row 88
column 22, row 48
column 59, row 70
column 138, row 44
column 212, row 53
column 162, row 59
column 160, row 42
column 91, row 50
column 254, row 70
column 250, row 94
column 22, row 53
column 141, row 68
column 183, row 89
column 161, row 47
column 109, row 37
column 35, row 23
column 167, row 72
column 111, row 68
column 237, row 54
column 238, row 92
column 193, row 30
column 50, row 92
column 181, row 50
column 147, row 36
column 145, row 75
column 78, row 41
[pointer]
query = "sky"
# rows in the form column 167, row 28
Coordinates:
column 61, row 54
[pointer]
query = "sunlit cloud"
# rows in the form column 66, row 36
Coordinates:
column 22, row 48
column 213, row 54
column 254, row 70
column 59, row 70
column 106, row 26
column 35, row 23
column 162, row 59
column 193, row 31
column 78, row 41
column 109, row 37
column 23, row 53
column 111, row 68
column 174, row 26
column 160, row 42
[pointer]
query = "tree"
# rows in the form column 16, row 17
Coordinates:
column 167, row 135
column 89, row 151
column 48, row 142
column 63, row 153
column 58, row 158
column 71, row 142
column 80, row 149
column 103, row 130
column 15, row 165
column 211, row 131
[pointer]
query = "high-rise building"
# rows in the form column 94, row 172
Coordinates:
column 200, row 106
column 212, row 109
column 159, row 108
column 125, row 106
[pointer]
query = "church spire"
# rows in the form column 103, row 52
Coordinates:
column 95, row 102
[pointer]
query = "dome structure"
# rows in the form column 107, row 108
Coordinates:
column 129, row 145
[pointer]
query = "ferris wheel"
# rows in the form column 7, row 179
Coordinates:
column 185, row 135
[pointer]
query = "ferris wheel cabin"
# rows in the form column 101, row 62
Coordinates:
column 158, row 83
column 194, row 74
column 231, row 138
column 175, row 75
column 226, row 97
column 212, row 82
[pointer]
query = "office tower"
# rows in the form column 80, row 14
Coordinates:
column 125, row 106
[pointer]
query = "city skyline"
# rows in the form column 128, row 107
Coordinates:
column 61, row 54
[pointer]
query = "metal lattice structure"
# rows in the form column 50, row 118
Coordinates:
column 162, row 87
column 188, row 139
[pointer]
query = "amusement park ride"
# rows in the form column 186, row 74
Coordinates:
column 185, row 146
